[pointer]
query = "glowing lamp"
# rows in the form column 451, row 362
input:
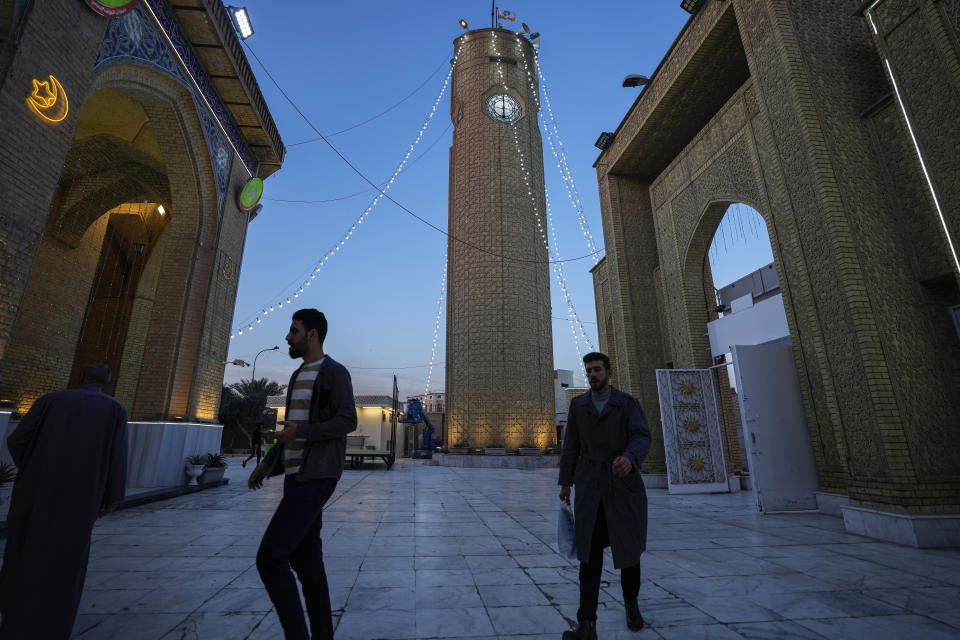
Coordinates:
column 161, row 210
column 463, row 23
column 241, row 21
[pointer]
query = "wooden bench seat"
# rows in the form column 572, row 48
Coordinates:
column 355, row 457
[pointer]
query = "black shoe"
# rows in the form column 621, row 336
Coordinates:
column 586, row 630
column 634, row 619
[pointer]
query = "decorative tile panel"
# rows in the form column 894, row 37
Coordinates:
column 691, row 430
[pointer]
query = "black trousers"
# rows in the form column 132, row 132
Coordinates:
column 590, row 572
column 292, row 539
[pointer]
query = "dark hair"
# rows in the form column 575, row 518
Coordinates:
column 313, row 319
column 96, row 373
column 593, row 356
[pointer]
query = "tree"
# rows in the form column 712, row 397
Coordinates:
column 241, row 407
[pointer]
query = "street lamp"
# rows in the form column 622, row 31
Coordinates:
column 252, row 376
column 635, row 80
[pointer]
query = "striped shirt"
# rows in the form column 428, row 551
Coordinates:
column 299, row 411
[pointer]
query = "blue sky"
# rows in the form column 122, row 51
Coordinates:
column 343, row 63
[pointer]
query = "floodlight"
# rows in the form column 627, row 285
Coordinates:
column 524, row 29
column 635, row 80
column 604, row 141
column 241, row 21
column 160, row 209
column 463, row 23
column 690, row 6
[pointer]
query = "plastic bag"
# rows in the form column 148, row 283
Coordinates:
column 566, row 532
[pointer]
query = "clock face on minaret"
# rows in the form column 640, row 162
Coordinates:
column 503, row 108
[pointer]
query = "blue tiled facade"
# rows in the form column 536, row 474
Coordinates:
column 135, row 36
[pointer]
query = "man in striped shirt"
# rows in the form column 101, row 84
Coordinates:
column 311, row 449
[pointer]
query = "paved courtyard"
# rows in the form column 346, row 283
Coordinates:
column 431, row 552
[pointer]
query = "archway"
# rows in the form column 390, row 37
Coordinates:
column 119, row 252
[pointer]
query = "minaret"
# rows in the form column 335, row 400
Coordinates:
column 499, row 378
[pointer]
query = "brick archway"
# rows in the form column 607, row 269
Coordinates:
column 148, row 295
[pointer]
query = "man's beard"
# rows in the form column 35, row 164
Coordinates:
column 596, row 385
column 298, row 349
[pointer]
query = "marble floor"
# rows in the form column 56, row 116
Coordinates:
column 431, row 552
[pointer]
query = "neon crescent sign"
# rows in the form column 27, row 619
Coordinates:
column 49, row 100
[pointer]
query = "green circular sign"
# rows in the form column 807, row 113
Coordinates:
column 112, row 8
column 250, row 194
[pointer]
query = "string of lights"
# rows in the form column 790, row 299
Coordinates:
column 335, row 248
column 382, row 113
column 561, row 157
column 399, row 205
column 436, row 325
column 253, row 319
column 382, row 184
column 557, row 267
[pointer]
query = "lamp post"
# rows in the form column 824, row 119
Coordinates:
column 253, row 377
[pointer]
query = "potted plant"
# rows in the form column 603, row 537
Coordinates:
column 194, row 467
column 460, row 447
column 214, row 466
column 529, row 448
column 8, row 473
column 495, row 448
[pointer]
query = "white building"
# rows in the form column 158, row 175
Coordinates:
column 373, row 420
column 432, row 402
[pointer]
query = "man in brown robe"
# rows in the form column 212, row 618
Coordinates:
column 71, row 455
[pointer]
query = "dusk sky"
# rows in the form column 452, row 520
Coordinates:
column 344, row 63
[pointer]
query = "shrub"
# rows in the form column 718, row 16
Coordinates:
column 214, row 460
column 197, row 459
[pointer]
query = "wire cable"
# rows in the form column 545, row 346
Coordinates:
column 383, row 192
column 382, row 113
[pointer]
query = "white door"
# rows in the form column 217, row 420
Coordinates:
column 775, row 430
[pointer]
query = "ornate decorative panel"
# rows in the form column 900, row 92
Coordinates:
column 691, row 431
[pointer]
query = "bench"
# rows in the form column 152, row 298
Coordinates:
column 355, row 457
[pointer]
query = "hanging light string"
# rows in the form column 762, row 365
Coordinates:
column 382, row 113
column 573, row 316
column 557, row 267
column 436, row 325
column 561, row 157
column 442, row 136
column 311, row 275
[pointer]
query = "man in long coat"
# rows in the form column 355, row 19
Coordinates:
column 71, row 455
column 606, row 440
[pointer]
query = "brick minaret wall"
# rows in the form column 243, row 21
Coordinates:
column 499, row 344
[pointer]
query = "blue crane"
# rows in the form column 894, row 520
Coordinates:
column 429, row 441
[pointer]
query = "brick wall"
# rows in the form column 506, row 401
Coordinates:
column 810, row 143
column 499, row 346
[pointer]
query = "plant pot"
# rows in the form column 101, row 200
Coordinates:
column 211, row 474
column 193, row 471
column 494, row 451
column 529, row 451
column 459, row 451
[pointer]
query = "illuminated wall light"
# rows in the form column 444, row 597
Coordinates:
column 49, row 100
column 161, row 210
